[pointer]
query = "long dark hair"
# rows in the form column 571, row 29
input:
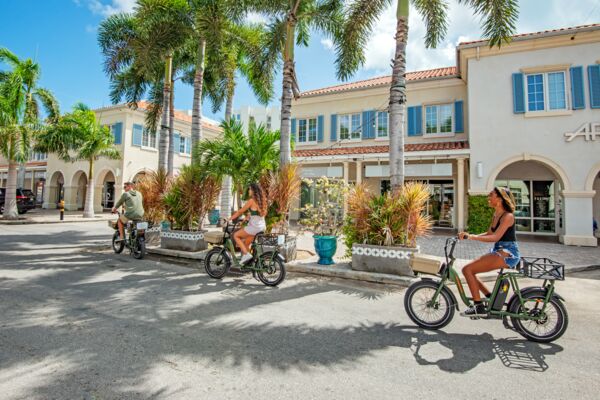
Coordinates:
column 508, row 200
column 259, row 197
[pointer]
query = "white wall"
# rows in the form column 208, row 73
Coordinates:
column 260, row 115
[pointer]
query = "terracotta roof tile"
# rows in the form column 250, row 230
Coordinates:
column 533, row 34
column 435, row 146
column 181, row 115
column 383, row 81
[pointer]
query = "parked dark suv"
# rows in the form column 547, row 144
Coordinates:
column 25, row 200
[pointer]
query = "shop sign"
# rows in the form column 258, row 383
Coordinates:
column 590, row 131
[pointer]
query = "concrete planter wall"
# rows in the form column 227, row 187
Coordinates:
column 183, row 240
column 152, row 236
column 287, row 250
column 383, row 259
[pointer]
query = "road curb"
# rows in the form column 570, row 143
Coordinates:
column 25, row 222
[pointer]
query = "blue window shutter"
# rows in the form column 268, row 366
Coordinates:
column 334, row 127
column 418, row 120
column 137, row 135
column 577, row 92
column 458, row 117
column 117, row 130
column 293, row 130
column 368, row 124
column 176, row 142
column 320, row 127
column 188, row 145
column 518, row 93
column 594, row 78
column 412, row 130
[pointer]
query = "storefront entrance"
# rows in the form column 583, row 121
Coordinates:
column 441, row 203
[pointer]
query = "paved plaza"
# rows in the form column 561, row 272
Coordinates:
column 79, row 322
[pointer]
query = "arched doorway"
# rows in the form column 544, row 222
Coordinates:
column 56, row 191
column 107, row 181
column 537, row 191
column 79, row 184
column 140, row 175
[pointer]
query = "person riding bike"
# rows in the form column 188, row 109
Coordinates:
column 504, row 254
column 257, row 206
column 134, row 207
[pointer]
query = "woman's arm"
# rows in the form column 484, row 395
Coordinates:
column 507, row 221
column 242, row 210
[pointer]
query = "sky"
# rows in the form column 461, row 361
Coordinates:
column 62, row 36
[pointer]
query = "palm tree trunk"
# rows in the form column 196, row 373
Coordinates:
column 171, row 156
column 226, row 186
column 10, row 200
column 285, row 156
column 197, row 104
column 21, row 176
column 88, row 209
column 164, row 138
column 398, row 98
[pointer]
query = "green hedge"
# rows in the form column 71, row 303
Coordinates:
column 480, row 214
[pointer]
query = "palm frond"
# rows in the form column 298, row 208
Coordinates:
column 434, row 13
column 499, row 18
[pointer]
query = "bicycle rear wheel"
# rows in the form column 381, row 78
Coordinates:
column 217, row 263
column 139, row 248
column 553, row 320
column 273, row 269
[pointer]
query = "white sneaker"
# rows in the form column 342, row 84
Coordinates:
column 245, row 258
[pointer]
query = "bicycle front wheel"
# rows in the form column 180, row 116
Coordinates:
column 117, row 246
column 272, row 271
column 423, row 311
column 216, row 263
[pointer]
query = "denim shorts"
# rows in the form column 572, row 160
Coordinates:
column 512, row 260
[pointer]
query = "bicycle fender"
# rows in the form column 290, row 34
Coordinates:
column 450, row 293
column 270, row 254
column 533, row 289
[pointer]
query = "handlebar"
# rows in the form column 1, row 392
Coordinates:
column 450, row 242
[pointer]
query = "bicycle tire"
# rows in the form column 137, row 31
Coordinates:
column 522, row 326
column 139, row 249
column 117, row 247
column 430, row 288
column 220, row 260
column 273, row 263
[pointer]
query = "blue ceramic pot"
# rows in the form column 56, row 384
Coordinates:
column 213, row 216
column 325, row 247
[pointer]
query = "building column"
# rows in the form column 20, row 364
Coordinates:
column 577, row 218
column 359, row 165
column 225, row 211
column 460, row 194
column 346, row 180
column 70, row 198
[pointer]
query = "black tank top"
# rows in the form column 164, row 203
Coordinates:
column 509, row 235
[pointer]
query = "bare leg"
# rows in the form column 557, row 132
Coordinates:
column 486, row 263
column 240, row 238
column 121, row 229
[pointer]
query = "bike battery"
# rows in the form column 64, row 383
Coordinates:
column 501, row 295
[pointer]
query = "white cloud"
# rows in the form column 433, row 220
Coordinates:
column 91, row 29
column 327, row 43
column 110, row 7
column 256, row 18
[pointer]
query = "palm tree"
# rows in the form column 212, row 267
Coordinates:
column 78, row 136
column 20, row 101
column 498, row 21
column 140, row 55
column 293, row 21
column 245, row 158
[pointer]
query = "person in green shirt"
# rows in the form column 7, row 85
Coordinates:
column 134, row 207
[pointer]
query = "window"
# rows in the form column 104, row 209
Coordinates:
column 438, row 119
column 307, row 130
column 182, row 141
column 350, row 126
column 382, row 124
column 148, row 139
column 552, row 98
column 35, row 156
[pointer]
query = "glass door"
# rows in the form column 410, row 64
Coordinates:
column 441, row 203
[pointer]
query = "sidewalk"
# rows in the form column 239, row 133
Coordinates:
column 42, row 216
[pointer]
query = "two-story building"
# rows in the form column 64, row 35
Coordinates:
column 526, row 116
column 139, row 150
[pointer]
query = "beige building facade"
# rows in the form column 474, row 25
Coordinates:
column 139, row 150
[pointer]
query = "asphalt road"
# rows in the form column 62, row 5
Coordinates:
column 79, row 323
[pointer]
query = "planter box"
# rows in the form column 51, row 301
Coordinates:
column 383, row 259
column 287, row 250
column 183, row 240
column 152, row 236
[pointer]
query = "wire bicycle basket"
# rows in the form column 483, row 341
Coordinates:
column 542, row 268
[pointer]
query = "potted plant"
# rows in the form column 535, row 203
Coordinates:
column 153, row 187
column 381, row 230
column 281, row 187
column 193, row 193
column 325, row 218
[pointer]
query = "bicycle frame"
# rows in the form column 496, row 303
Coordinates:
column 450, row 274
column 229, row 247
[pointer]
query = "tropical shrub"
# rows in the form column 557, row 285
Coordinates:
column 480, row 214
column 395, row 218
column 281, row 188
column 325, row 218
column 153, row 187
column 193, row 193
